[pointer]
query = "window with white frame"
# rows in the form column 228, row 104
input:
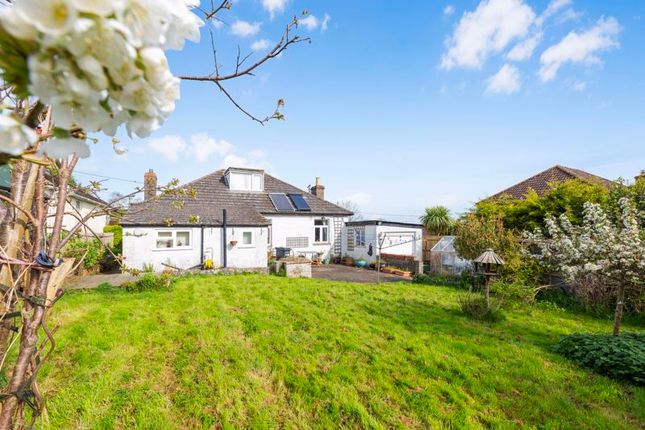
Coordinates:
column 173, row 239
column 321, row 231
column 247, row 239
column 359, row 237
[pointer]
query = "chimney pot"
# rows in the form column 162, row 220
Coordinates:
column 149, row 184
column 318, row 190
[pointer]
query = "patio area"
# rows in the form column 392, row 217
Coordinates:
column 337, row 272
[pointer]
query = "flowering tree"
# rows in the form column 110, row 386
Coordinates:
column 71, row 70
column 612, row 252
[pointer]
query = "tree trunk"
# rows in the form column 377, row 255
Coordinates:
column 618, row 313
column 20, row 378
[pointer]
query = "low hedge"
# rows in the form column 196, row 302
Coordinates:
column 619, row 357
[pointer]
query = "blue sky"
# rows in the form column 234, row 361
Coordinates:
column 404, row 105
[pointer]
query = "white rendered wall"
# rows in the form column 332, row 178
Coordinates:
column 412, row 247
column 301, row 226
column 139, row 248
column 80, row 208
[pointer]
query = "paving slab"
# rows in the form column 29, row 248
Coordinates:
column 338, row 272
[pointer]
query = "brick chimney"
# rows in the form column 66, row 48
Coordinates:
column 318, row 190
column 149, row 184
column 641, row 176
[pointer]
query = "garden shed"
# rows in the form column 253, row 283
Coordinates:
column 444, row 259
column 393, row 240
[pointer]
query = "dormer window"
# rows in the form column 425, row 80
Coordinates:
column 245, row 180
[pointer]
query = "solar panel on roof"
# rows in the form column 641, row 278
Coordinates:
column 281, row 202
column 299, row 202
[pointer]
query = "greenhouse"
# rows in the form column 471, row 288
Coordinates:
column 444, row 259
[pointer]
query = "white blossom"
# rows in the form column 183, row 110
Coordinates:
column 101, row 63
column 14, row 136
column 62, row 147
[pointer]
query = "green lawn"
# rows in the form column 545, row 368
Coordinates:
column 266, row 352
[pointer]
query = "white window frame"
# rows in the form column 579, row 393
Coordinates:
column 359, row 237
column 321, row 227
column 241, row 243
column 174, row 246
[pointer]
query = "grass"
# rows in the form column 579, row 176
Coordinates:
column 254, row 351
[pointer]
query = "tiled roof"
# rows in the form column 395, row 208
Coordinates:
column 212, row 195
column 541, row 182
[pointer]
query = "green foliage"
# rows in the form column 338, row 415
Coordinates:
column 513, row 292
column 563, row 198
column 150, row 282
column 117, row 231
column 634, row 192
column 474, row 306
column 148, row 268
column 437, row 220
column 619, row 357
column 91, row 251
column 464, row 281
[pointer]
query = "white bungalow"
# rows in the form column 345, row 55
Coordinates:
column 236, row 218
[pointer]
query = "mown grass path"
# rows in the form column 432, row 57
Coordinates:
column 254, row 351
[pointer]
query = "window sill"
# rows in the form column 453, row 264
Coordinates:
column 177, row 248
column 322, row 243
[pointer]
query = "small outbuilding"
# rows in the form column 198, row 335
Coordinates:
column 398, row 243
column 444, row 259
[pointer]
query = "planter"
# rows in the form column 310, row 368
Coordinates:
column 387, row 270
column 348, row 261
column 233, row 242
column 360, row 263
column 403, row 273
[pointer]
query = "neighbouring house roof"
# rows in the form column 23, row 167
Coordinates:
column 543, row 181
column 212, row 195
column 86, row 195
column 381, row 222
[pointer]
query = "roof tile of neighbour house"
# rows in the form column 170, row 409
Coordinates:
column 212, row 195
column 543, row 181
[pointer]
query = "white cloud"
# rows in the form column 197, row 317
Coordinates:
column 244, row 28
column 487, row 30
column 524, row 49
column 552, row 9
column 202, row 146
column 580, row 47
column 170, row 147
column 310, row 22
column 448, row 10
column 579, row 86
column 256, row 159
column 325, row 22
column 505, row 81
column 274, row 6
column 261, row 45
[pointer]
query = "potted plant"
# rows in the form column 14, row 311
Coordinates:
column 360, row 263
column 348, row 261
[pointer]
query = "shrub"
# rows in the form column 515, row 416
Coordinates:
column 150, row 282
column 449, row 281
column 513, row 292
column 117, row 241
column 619, row 357
column 91, row 251
column 474, row 306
